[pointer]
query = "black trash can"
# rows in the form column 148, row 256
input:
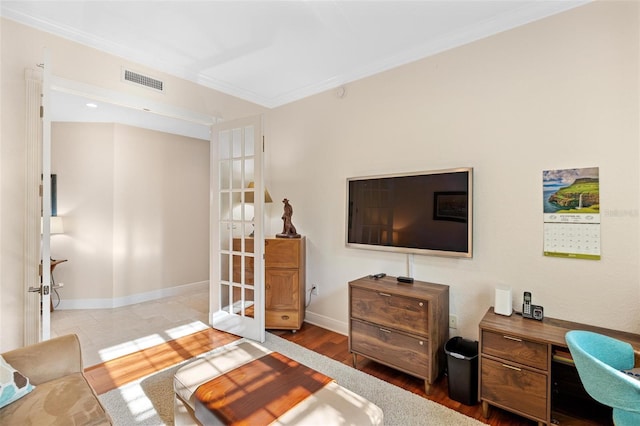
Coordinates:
column 462, row 367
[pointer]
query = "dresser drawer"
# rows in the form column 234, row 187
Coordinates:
column 517, row 389
column 282, row 319
column 512, row 348
column 398, row 312
column 395, row 349
column 282, row 253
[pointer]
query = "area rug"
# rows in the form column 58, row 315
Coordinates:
column 149, row 401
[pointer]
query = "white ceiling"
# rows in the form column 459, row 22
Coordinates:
column 275, row 52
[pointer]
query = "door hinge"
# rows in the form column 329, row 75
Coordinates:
column 41, row 111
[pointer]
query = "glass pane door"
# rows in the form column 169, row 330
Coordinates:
column 236, row 239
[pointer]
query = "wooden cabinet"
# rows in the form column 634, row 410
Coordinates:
column 284, row 279
column 524, row 369
column 284, row 283
column 404, row 326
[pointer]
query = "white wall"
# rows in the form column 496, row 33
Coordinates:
column 559, row 93
column 135, row 203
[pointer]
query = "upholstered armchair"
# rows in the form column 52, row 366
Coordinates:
column 600, row 361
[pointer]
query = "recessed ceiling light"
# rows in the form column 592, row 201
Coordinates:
column 92, row 105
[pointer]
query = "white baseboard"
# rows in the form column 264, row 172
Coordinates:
column 134, row 298
column 326, row 322
column 310, row 317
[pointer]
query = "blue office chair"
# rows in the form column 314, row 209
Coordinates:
column 600, row 360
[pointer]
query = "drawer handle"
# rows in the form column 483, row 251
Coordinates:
column 420, row 304
column 385, row 294
column 385, row 330
column 512, row 367
column 513, row 338
column 285, row 317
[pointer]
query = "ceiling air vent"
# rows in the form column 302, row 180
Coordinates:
column 143, row 80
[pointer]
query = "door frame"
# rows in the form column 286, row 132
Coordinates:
column 50, row 83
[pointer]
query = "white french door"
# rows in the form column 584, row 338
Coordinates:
column 46, row 198
column 38, row 205
column 237, row 238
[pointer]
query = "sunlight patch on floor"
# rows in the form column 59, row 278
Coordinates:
column 185, row 330
column 137, row 402
column 130, row 346
column 149, row 341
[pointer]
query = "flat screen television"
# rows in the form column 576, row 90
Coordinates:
column 428, row 212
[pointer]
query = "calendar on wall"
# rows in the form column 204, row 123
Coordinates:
column 571, row 209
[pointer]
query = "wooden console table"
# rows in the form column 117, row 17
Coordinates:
column 525, row 368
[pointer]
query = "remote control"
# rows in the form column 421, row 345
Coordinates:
column 378, row 276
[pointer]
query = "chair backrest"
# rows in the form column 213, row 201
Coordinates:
column 599, row 360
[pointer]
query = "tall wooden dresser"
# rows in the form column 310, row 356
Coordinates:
column 284, row 282
column 404, row 326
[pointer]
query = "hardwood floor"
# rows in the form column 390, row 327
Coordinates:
column 336, row 346
column 111, row 374
column 117, row 372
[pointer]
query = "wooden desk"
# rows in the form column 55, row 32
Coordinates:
column 522, row 369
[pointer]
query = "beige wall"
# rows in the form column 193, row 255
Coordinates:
column 559, row 93
column 135, row 203
column 82, row 157
column 22, row 47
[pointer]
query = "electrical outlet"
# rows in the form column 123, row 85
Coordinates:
column 314, row 290
column 453, row 321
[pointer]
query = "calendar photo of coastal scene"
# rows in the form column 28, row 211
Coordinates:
column 571, row 206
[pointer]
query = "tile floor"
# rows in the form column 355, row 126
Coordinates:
column 108, row 333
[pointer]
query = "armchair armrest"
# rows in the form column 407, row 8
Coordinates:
column 48, row 360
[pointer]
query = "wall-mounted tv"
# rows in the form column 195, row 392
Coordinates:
column 429, row 212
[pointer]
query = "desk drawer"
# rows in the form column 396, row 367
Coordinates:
column 514, row 388
column 512, row 348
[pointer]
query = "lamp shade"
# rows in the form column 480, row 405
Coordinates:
column 55, row 225
column 249, row 196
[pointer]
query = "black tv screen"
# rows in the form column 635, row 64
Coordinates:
column 427, row 212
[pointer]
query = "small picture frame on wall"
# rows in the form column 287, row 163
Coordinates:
column 451, row 205
column 54, row 194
